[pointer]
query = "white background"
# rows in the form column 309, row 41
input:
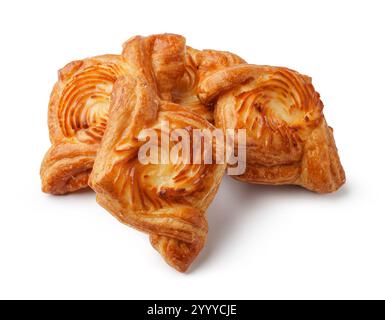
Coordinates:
column 264, row 242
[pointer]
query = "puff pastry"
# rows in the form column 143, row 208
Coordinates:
column 79, row 106
column 288, row 139
column 167, row 201
column 198, row 65
column 77, row 117
column 100, row 106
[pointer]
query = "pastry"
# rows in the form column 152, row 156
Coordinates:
column 167, row 200
column 79, row 107
column 77, row 117
column 288, row 139
column 110, row 115
column 198, row 65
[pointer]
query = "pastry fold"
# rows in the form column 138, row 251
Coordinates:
column 166, row 200
column 198, row 66
column 288, row 139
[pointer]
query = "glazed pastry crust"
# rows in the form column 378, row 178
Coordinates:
column 79, row 104
column 167, row 201
column 288, row 139
column 77, row 117
column 198, row 66
column 99, row 107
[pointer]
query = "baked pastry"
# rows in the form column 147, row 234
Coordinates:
column 166, row 200
column 77, row 117
column 79, row 107
column 198, row 65
column 103, row 110
column 288, row 139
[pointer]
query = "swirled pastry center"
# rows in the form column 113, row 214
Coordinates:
column 85, row 100
column 280, row 102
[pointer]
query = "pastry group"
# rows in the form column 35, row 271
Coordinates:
column 100, row 106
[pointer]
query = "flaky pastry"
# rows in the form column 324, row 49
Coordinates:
column 77, row 117
column 288, row 139
column 100, row 107
column 79, row 107
column 199, row 65
column 169, row 200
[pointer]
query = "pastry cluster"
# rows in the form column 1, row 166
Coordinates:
column 100, row 106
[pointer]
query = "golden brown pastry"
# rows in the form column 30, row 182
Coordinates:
column 288, row 139
column 79, row 107
column 100, row 106
column 167, row 200
column 198, row 65
column 77, row 117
